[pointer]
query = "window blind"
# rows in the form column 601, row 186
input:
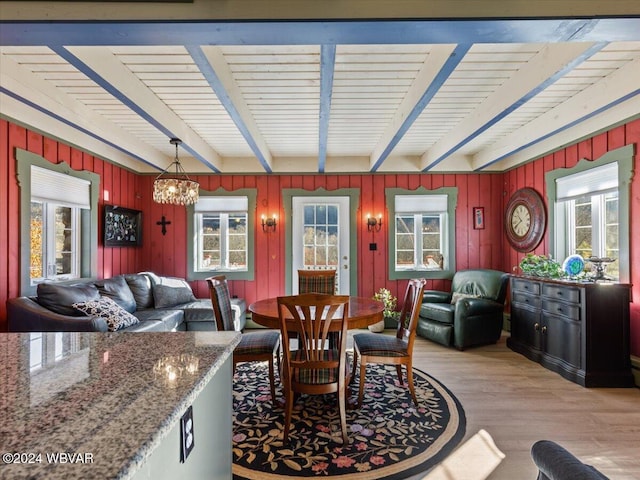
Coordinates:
column 50, row 186
column 593, row 181
column 222, row 204
column 421, row 203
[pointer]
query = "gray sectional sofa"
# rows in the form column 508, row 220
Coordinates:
column 159, row 304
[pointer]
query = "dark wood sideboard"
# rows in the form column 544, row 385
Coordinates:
column 579, row 330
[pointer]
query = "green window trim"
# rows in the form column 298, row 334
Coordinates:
column 249, row 273
column 287, row 204
column 452, row 201
column 89, row 218
column 624, row 157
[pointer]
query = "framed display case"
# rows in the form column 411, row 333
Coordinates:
column 122, row 227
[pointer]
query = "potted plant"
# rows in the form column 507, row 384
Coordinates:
column 390, row 314
column 540, row 266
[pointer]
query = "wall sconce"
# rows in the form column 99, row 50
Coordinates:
column 374, row 223
column 269, row 224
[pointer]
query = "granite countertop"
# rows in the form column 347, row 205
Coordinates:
column 103, row 399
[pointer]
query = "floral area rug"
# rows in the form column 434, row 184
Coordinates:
column 389, row 437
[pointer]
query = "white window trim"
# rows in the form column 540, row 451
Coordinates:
column 88, row 250
column 557, row 214
column 418, row 247
column 231, row 201
column 451, row 195
column 224, row 241
column 50, row 247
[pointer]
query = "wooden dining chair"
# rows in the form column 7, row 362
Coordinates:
column 392, row 350
column 260, row 346
column 317, row 281
column 314, row 368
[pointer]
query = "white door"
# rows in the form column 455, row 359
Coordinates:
column 320, row 238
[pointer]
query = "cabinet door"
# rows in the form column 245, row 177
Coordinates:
column 562, row 339
column 525, row 325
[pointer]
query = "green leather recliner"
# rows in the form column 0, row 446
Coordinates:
column 470, row 315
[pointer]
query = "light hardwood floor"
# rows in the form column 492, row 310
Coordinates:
column 519, row 402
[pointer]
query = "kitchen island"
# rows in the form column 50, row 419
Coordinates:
column 116, row 405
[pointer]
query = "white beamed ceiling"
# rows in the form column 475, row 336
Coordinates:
column 259, row 108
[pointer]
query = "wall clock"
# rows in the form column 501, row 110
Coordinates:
column 525, row 220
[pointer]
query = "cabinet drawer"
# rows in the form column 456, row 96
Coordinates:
column 568, row 294
column 525, row 299
column 568, row 310
column 518, row 285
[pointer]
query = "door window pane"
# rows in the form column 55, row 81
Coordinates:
column 320, row 243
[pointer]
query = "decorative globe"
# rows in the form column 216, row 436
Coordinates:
column 573, row 265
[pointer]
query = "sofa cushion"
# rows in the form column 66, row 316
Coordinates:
column 118, row 290
column 60, row 298
column 155, row 279
column 141, row 288
column 166, row 296
column 117, row 317
column 172, row 291
column 199, row 310
column 170, row 319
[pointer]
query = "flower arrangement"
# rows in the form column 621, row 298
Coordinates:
column 389, row 301
column 540, row 266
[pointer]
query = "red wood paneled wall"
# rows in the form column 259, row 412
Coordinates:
column 475, row 248
column 532, row 175
column 118, row 187
column 166, row 255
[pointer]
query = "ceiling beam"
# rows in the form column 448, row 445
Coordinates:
column 104, row 68
column 57, row 107
column 545, row 68
column 314, row 10
column 207, row 32
column 216, row 71
column 613, row 90
column 440, row 63
column 327, row 67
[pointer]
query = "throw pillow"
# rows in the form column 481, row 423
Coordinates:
column 60, row 298
column 117, row 289
column 116, row 317
column 166, row 296
column 457, row 296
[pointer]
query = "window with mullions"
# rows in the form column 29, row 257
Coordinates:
column 55, row 241
column 58, row 221
column 593, row 227
column 422, row 240
column 221, row 241
column 587, row 205
column 220, row 227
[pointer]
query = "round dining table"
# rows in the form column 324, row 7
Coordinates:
column 363, row 311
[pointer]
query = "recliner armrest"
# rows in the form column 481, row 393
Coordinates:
column 436, row 296
column 466, row 307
